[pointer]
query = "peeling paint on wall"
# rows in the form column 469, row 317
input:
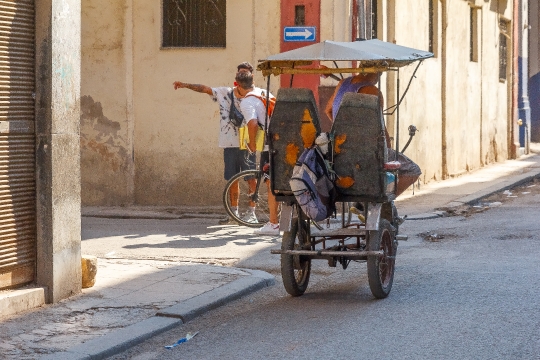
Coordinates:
column 104, row 156
column 101, row 135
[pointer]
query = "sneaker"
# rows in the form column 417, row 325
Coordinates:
column 250, row 217
column 268, row 229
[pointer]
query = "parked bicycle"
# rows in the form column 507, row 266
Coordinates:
column 250, row 191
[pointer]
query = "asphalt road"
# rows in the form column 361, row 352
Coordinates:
column 466, row 287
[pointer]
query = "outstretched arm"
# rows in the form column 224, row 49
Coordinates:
column 195, row 87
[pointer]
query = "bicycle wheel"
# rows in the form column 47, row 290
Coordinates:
column 241, row 188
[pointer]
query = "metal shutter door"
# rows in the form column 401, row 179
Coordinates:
column 17, row 143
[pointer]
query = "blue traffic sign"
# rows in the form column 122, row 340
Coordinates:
column 299, row 33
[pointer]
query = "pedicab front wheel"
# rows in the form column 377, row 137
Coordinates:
column 295, row 269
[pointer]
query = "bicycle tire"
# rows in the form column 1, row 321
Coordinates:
column 261, row 209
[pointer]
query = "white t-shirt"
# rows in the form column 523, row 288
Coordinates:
column 228, row 133
column 253, row 108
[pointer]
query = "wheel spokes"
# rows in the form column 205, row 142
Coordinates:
column 386, row 260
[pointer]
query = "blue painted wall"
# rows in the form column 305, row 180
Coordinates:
column 534, row 99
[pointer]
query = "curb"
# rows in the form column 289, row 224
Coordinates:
column 474, row 198
column 117, row 341
column 426, row 216
column 505, row 185
column 191, row 308
column 120, row 340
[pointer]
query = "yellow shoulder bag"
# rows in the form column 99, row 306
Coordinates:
column 243, row 135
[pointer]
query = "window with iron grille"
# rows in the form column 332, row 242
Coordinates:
column 194, row 23
column 503, row 49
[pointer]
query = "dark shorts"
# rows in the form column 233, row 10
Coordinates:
column 237, row 160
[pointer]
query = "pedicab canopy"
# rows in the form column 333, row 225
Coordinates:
column 372, row 56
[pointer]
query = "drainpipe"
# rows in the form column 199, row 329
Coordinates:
column 524, row 110
column 514, row 128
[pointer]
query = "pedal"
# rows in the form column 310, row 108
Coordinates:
column 402, row 237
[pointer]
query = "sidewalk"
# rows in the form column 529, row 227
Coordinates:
column 134, row 300
column 434, row 199
column 131, row 301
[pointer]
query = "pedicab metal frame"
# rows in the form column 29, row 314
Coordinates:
column 371, row 56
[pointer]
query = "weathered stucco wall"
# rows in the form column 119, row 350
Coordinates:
column 496, row 104
column 177, row 159
column 463, row 93
column 106, row 122
column 422, row 104
column 459, row 106
column 143, row 142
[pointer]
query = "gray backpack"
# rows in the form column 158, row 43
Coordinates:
column 311, row 185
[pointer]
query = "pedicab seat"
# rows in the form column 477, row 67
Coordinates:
column 294, row 127
column 360, row 153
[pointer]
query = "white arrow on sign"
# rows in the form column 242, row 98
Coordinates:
column 306, row 33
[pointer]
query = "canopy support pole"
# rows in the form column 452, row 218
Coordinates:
column 397, row 118
column 267, row 104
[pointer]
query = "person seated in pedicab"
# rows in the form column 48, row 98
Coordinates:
column 366, row 83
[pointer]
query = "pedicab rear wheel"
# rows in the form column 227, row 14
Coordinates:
column 295, row 269
column 381, row 267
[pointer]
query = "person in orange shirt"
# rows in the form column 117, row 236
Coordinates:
column 361, row 83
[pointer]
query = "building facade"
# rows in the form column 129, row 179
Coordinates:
column 144, row 143
column 40, row 232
